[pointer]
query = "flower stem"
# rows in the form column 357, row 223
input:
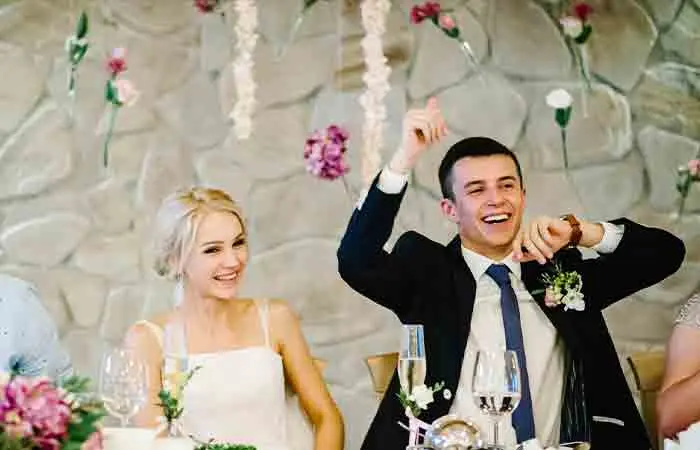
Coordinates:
column 471, row 58
column 348, row 189
column 292, row 34
column 108, row 137
column 586, row 87
column 564, row 148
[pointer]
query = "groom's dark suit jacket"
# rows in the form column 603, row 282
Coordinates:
column 424, row 282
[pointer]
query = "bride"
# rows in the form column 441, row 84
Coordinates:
column 246, row 349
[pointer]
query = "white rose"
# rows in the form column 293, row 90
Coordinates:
column 572, row 26
column 447, row 394
column 559, row 99
column 422, row 395
column 574, row 300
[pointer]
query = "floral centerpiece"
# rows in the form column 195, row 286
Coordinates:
column 37, row 414
column 324, row 154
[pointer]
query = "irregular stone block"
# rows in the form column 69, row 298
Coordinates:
column 116, row 258
column 526, row 41
column 683, row 37
column 663, row 153
column 45, row 240
column 666, row 97
column 604, row 135
column 37, row 157
column 484, row 106
column 622, row 39
column 84, row 293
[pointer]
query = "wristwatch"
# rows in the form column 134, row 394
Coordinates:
column 576, row 232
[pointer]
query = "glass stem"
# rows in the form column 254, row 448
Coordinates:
column 495, row 433
column 123, row 421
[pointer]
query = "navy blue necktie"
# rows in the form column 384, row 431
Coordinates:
column 523, row 418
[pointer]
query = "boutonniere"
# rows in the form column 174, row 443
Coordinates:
column 420, row 397
column 563, row 287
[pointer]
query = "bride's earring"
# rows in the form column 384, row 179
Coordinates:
column 178, row 291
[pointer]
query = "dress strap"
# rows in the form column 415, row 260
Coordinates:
column 264, row 312
column 154, row 329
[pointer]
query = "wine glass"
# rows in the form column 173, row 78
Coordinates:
column 123, row 383
column 412, row 365
column 496, row 386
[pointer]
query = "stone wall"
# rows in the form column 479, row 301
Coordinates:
column 81, row 232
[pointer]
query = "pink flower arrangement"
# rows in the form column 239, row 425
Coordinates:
column 582, row 10
column 36, row 414
column 325, row 153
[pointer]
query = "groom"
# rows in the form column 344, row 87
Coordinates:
column 484, row 290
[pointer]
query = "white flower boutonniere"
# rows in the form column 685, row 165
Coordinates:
column 563, row 288
column 420, row 397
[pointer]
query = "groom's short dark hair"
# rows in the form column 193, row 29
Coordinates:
column 471, row 147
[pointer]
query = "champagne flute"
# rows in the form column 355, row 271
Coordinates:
column 123, row 383
column 412, row 364
column 496, row 386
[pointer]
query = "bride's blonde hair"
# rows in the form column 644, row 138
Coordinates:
column 177, row 221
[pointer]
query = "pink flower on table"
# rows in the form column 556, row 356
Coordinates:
column 582, row 10
column 34, row 408
column 694, row 167
column 94, row 442
column 447, row 22
column 116, row 63
column 428, row 10
column 325, row 153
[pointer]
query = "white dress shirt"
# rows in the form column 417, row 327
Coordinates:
column 544, row 348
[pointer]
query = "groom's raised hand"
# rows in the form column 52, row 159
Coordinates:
column 421, row 129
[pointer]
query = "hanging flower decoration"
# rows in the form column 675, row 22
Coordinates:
column 376, row 78
column 246, row 37
column 118, row 92
column 687, row 175
column 561, row 101
column 433, row 11
column 325, row 153
column 76, row 48
column 578, row 29
column 305, row 8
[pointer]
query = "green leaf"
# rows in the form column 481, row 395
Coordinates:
column 562, row 116
column 451, row 32
column 81, row 28
column 585, row 34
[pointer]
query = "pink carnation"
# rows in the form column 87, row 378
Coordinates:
column 325, row 153
column 447, row 22
column 694, row 167
column 205, row 6
column 116, row 63
column 35, row 409
column 428, row 10
column 582, row 10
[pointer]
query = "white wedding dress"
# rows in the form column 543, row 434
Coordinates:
column 238, row 396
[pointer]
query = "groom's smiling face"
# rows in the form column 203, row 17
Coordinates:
column 218, row 258
column 488, row 203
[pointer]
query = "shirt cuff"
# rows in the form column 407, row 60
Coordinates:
column 612, row 235
column 391, row 182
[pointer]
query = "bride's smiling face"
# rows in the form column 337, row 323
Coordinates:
column 218, row 258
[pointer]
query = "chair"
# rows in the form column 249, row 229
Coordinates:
column 381, row 369
column 648, row 370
